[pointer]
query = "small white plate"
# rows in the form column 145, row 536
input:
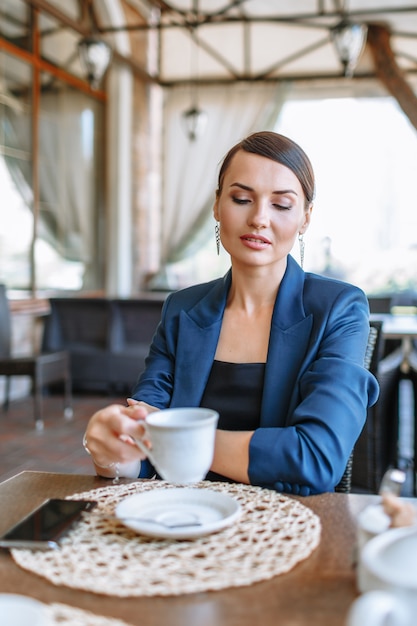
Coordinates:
column 18, row 610
column 178, row 513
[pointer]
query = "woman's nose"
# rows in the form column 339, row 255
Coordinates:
column 259, row 216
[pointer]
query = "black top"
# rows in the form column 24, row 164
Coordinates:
column 234, row 390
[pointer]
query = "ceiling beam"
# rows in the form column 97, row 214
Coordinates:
column 340, row 9
column 47, row 7
column 314, row 19
column 293, row 57
column 388, row 71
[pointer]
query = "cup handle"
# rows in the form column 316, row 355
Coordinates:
column 141, row 445
column 375, row 607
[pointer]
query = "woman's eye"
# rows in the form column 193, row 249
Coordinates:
column 240, row 200
column 281, row 207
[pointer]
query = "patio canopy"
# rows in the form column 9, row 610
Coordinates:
column 250, row 40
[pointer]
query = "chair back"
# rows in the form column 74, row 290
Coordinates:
column 374, row 348
column 81, row 323
column 372, row 356
column 5, row 324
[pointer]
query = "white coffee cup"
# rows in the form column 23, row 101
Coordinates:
column 182, row 442
column 372, row 521
column 19, row 610
column 390, row 562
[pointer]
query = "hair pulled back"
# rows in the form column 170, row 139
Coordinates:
column 280, row 149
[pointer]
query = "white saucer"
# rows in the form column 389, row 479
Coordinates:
column 178, row 513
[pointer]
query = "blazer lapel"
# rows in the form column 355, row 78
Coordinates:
column 198, row 335
column 285, row 357
column 290, row 330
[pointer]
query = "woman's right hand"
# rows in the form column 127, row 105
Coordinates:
column 109, row 438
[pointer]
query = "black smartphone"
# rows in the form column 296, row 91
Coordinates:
column 45, row 526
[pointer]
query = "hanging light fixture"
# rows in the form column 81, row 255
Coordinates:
column 194, row 121
column 349, row 39
column 95, row 56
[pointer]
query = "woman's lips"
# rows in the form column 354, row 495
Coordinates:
column 255, row 241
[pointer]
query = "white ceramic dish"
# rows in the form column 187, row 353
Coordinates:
column 391, row 558
column 389, row 579
column 178, row 513
column 19, row 610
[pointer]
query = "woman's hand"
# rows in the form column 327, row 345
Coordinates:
column 110, row 435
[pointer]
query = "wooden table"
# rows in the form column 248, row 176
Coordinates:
column 317, row 592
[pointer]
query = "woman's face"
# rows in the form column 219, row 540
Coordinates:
column 261, row 210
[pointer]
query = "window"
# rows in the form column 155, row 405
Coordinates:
column 51, row 163
column 67, row 246
column 16, row 196
column 364, row 223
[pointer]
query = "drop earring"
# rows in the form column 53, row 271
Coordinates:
column 217, row 234
column 302, row 246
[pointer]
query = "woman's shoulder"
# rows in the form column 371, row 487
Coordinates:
column 324, row 297
column 317, row 283
column 189, row 296
column 323, row 294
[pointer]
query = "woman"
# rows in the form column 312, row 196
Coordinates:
column 277, row 352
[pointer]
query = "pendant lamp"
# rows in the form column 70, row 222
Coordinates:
column 95, row 56
column 349, row 39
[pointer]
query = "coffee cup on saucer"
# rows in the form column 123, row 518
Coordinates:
column 181, row 442
column 389, row 565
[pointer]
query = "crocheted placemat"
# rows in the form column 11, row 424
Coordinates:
column 101, row 555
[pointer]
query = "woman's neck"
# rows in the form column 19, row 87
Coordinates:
column 254, row 290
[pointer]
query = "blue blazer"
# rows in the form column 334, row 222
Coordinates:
column 316, row 389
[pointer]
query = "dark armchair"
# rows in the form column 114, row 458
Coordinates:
column 107, row 338
column 81, row 327
column 42, row 368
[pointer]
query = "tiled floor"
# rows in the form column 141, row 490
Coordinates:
column 58, row 448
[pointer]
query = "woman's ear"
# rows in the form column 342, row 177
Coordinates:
column 216, row 209
column 307, row 219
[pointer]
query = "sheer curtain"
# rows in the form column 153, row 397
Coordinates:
column 190, row 167
column 67, row 175
column 66, row 172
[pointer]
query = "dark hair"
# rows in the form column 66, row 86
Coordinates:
column 280, row 149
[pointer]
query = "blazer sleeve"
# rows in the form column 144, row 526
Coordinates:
column 328, row 410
